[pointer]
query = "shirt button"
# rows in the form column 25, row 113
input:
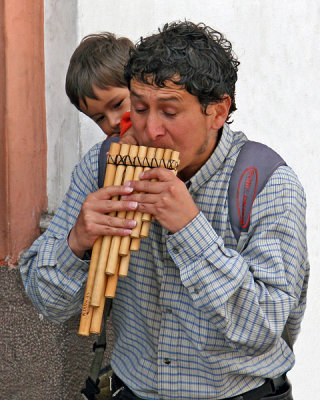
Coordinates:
column 175, row 250
column 167, row 361
column 196, row 290
column 169, row 311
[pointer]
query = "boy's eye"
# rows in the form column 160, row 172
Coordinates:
column 99, row 119
column 117, row 105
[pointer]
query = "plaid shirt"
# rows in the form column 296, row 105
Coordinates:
column 194, row 319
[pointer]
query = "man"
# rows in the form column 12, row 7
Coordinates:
column 194, row 318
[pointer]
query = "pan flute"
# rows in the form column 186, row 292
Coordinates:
column 111, row 254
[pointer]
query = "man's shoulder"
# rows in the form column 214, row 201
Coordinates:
column 286, row 177
column 91, row 157
column 87, row 168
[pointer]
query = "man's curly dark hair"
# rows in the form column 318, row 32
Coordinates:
column 194, row 56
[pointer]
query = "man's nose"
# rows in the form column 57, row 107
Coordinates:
column 154, row 127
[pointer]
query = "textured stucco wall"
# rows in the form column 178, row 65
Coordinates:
column 40, row 360
column 277, row 100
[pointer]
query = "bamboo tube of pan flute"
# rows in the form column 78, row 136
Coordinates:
column 87, row 309
column 125, row 241
column 100, row 278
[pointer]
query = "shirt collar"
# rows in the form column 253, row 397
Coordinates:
column 218, row 157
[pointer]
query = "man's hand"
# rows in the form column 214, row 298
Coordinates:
column 128, row 137
column 93, row 220
column 167, row 199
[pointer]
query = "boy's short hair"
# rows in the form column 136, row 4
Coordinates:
column 99, row 61
column 193, row 56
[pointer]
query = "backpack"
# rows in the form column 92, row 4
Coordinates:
column 254, row 166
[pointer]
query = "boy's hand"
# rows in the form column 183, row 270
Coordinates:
column 93, row 220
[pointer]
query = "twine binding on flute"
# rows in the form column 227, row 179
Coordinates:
column 144, row 162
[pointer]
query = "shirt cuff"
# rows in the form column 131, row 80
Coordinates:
column 55, row 252
column 210, row 271
column 66, row 257
column 192, row 241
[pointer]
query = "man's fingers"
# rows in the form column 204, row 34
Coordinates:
column 108, row 192
column 117, row 190
column 160, row 174
column 114, row 221
column 152, row 181
column 144, row 186
column 117, row 226
column 108, row 206
column 105, row 224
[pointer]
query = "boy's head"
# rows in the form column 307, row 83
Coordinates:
column 190, row 55
column 95, row 81
column 99, row 62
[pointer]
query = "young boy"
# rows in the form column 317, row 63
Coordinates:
column 95, row 83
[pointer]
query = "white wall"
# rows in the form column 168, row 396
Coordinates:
column 61, row 38
column 277, row 99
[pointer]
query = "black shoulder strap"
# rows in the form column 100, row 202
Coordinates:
column 102, row 161
column 254, row 166
column 99, row 347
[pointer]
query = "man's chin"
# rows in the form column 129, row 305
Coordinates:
column 128, row 140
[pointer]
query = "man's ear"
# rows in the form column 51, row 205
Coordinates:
column 219, row 113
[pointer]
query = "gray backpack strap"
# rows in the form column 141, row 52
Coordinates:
column 102, row 161
column 254, row 166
